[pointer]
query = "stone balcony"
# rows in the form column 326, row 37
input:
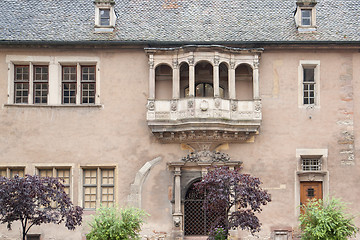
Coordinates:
column 204, row 119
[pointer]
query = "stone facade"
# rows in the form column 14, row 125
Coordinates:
column 155, row 103
column 114, row 133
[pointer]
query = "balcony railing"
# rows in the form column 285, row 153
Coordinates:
column 203, row 119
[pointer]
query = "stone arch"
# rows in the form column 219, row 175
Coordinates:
column 134, row 198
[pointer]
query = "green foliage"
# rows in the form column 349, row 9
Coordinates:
column 112, row 223
column 326, row 220
column 220, row 234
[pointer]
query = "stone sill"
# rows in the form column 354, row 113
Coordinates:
column 53, row 106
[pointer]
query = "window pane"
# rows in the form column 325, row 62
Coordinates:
column 90, row 176
column 107, row 196
column 45, row 172
column 306, row 17
column 22, row 73
column 41, row 73
column 69, row 93
column 19, row 172
column 64, row 174
column 88, row 92
column 309, row 74
column 40, row 93
column 89, row 197
column 21, row 92
column 107, row 176
column 104, row 17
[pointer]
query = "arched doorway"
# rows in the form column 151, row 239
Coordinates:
column 197, row 220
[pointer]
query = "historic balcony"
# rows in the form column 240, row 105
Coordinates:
column 203, row 119
column 206, row 94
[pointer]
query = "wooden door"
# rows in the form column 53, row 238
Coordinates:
column 310, row 191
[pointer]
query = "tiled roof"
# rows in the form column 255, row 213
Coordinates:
column 187, row 21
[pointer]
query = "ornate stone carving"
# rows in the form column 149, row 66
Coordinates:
column 311, row 177
column 217, row 103
column 257, row 106
column 256, row 63
column 206, row 157
column 175, row 63
column 204, row 105
column 234, row 106
column 191, row 60
column 232, row 64
column 190, row 104
column 173, row 105
column 151, row 61
column 216, row 60
column 177, row 221
column 151, row 105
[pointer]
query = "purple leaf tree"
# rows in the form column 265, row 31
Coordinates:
column 34, row 200
column 236, row 196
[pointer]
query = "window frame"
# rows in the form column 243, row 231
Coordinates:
column 107, row 18
column 22, row 81
column 9, row 171
column 55, row 173
column 303, row 18
column 309, row 64
column 88, row 82
column 55, row 79
column 63, row 82
column 99, row 185
column 41, row 82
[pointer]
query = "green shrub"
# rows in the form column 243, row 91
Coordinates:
column 112, row 223
column 326, row 220
column 219, row 234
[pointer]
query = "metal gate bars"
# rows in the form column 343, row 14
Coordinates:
column 197, row 220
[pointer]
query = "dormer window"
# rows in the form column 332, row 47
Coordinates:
column 305, row 15
column 104, row 16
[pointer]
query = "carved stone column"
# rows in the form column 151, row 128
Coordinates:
column 176, row 82
column 151, row 77
column 256, row 91
column 177, row 215
column 232, row 92
column 216, row 76
column 191, row 77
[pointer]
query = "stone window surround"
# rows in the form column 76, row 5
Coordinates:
column 98, row 183
column 104, row 4
column 316, row 65
column 305, row 5
column 55, row 64
column 311, row 176
column 215, row 58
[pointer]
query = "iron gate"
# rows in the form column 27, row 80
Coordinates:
column 197, row 220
